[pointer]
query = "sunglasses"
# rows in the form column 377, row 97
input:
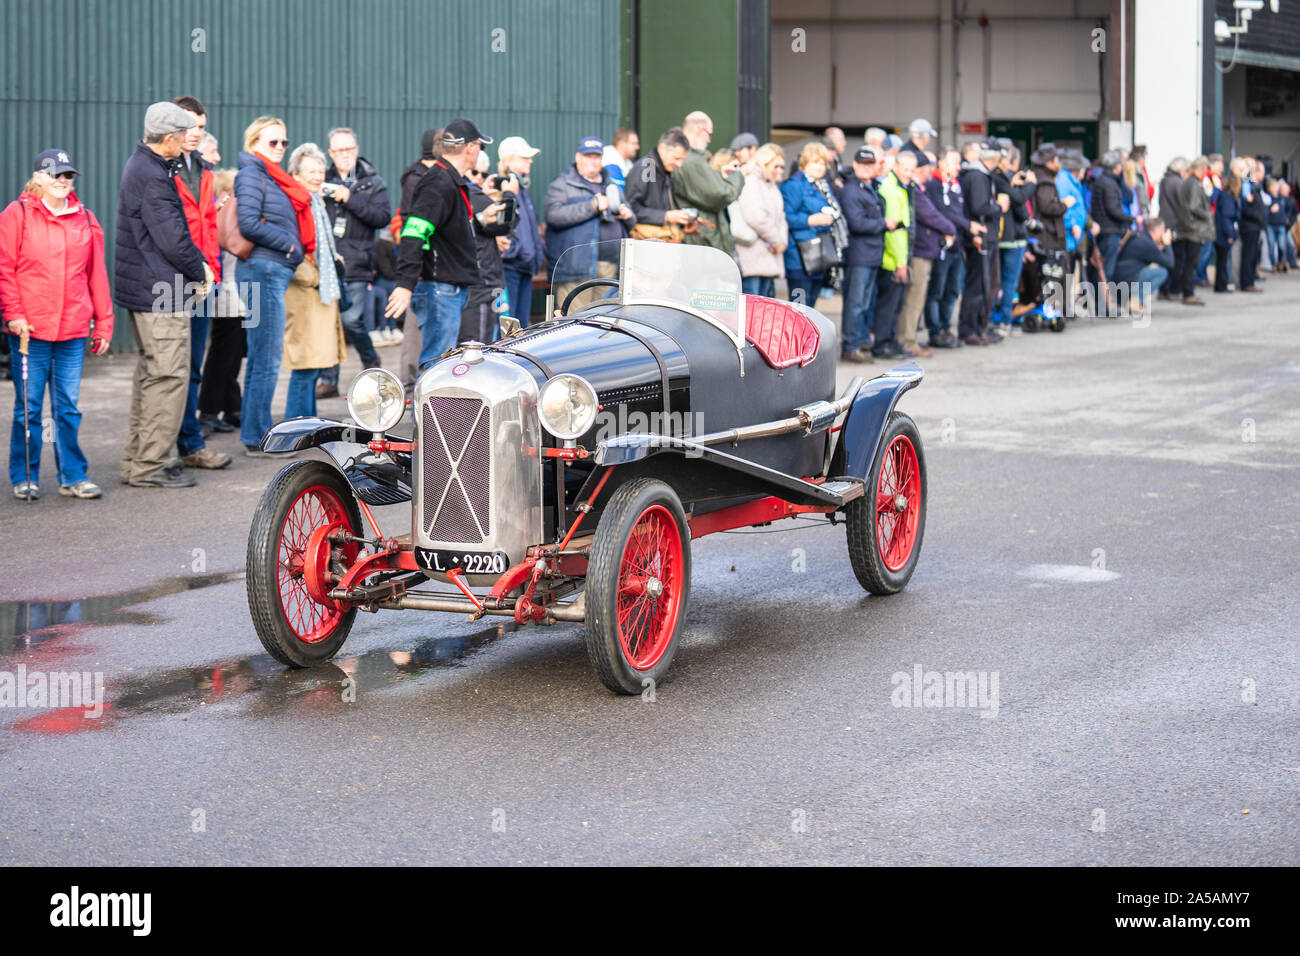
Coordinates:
column 273, row 143
column 475, row 173
column 68, row 176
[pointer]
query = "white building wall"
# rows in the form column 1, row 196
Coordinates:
column 1167, row 80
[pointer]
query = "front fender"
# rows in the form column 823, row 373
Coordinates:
column 383, row 479
column 868, row 415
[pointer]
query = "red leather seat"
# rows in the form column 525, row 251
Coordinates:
column 780, row 333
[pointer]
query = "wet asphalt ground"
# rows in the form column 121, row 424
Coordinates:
column 1112, row 536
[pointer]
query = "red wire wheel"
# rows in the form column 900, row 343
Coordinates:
column 638, row 584
column 898, row 503
column 650, row 587
column 886, row 525
column 289, row 556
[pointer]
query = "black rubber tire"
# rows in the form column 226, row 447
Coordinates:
column 1057, row 324
column 262, row 577
column 604, row 563
column 1031, row 322
column 860, row 518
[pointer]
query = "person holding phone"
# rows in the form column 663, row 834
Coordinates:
column 54, row 293
column 494, row 217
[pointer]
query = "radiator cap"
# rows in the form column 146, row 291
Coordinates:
column 471, row 352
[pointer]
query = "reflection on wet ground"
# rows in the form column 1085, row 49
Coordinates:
column 269, row 687
column 26, row 624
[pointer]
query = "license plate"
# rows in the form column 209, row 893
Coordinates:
column 471, row 562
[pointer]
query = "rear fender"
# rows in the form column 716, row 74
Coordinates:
column 375, row 479
column 868, row 415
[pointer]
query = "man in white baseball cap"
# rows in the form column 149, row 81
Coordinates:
column 920, row 132
column 522, row 252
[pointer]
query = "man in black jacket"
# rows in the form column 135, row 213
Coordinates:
column 356, row 199
column 409, row 356
column 649, row 182
column 1018, row 184
column 1107, row 209
column 437, row 259
column 1254, row 220
column 949, row 270
column 864, row 212
column 154, row 249
column 486, row 301
column 984, row 207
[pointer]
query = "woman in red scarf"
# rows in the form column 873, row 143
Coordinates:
column 275, row 215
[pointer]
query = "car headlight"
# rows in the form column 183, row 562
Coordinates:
column 567, row 406
column 376, row 400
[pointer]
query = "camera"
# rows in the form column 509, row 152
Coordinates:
column 329, row 189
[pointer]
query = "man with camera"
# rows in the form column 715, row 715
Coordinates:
column 1018, row 185
column 437, row 256
column 584, row 206
column 356, row 199
column 494, row 217
column 650, row 187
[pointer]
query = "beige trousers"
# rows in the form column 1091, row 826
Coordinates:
column 158, row 392
column 909, row 316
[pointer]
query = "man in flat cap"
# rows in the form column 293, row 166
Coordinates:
column 159, row 276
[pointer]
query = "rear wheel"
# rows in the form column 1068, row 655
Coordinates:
column 638, row 581
column 1032, row 322
column 290, row 562
column 886, row 524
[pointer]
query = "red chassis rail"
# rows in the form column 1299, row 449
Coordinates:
column 557, row 563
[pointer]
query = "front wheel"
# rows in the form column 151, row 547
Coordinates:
column 291, row 563
column 886, row 524
column 638, row 580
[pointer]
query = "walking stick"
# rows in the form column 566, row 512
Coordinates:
column 27, row 428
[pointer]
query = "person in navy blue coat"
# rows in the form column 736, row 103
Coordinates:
column 525, row 254
column 1227, row 229
column 271, row 217
column 154, row 251
column 864, row 211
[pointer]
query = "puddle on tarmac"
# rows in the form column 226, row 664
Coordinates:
column 271, row 688
column 26, row 624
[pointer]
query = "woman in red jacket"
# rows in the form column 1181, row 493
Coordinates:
column 53, row 287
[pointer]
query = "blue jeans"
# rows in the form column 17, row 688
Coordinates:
column 301, row 401
column 355, row 331
column 758, row 285
column 946, row 279
column 56, row 366
column 1277, row 236
column 1013, row 260
column 1108, row 244
column 190, row 439
column 859, row 304
column 267, row 283
column 1148, row 278
column 519, row 292
column 437, row 306
column 1207, row 253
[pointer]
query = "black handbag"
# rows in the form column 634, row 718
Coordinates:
column 345, row 300
column 818, row 254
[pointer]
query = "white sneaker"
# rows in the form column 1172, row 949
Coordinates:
column 395, row 336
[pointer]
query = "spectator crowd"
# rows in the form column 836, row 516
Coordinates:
column 292, row 256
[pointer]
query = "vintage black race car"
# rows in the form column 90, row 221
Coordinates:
column 561, row 473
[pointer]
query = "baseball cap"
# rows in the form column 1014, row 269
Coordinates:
column 927, row 129
column 164, row 118
column 864, row 155
column 461, row 131
column 893, row 141
column 589, row 144
column 53, row 161
column 744, row 141
column 516, row 146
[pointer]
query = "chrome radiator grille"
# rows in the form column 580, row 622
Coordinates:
column 457, row 465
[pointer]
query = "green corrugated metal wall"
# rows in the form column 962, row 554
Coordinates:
column 78, row 74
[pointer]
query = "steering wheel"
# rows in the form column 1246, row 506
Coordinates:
column 583, row 286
